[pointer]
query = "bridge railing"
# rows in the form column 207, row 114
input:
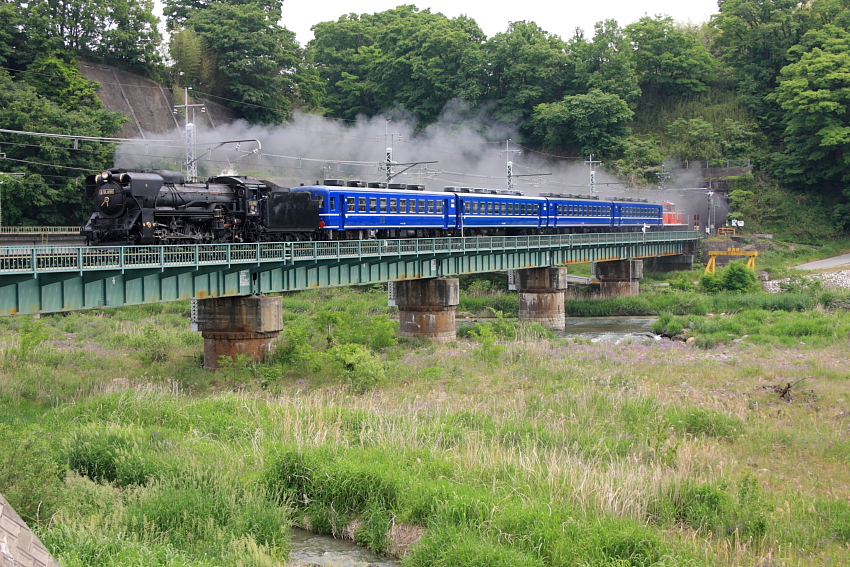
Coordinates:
column 40, row 229
column 19, row 259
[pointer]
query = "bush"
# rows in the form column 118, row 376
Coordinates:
column 710, row 283
column 738, row 277
column 361, row 369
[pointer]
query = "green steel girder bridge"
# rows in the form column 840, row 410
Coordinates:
column 45, row 279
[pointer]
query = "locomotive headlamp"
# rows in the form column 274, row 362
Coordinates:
column 104, row 175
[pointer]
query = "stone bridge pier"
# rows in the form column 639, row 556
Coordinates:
column 541, row 296
column 426, row 308
column 239, row 325
column 619, row 277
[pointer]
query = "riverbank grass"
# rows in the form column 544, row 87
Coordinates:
column 506, row 447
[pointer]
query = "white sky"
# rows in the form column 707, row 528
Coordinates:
column 557, row 17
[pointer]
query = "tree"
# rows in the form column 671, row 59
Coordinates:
column 605, row 63
column 259, row 68
column 342, row 53
column 594, row 123
column 51, row 192
column 401, row 57
column 754, row 39
column 425, row 60
column 14, row 49
column 526, row 66
column 118, row 32
column 669, row 63
column 814, row 94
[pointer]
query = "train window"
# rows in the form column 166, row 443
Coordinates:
column 393, row 205
column 413, row 206
column 475, row 208
column 383, row 208
column 421, row 205
column 351, row 207
column 439, row 206
column 333, row 203
column 430, row 206
column 373, row 204
column 361, row 204
column 319, row 199
column 504, row 208
column 402, row 205
column 466, row 208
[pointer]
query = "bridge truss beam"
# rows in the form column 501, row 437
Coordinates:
column 48, row 279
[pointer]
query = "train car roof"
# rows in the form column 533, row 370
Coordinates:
column 411, row 192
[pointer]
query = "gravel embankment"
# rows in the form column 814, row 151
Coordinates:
column 840, row 278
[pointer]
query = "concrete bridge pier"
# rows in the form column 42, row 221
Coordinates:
column 426, row 308
column 619, row 277
column 541, row 296
column 238, row 325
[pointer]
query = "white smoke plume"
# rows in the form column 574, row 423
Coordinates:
column 469, row 151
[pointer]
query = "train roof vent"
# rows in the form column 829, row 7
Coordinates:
column 491, row 191
column 452, row 189
column 415, row 187
column 477, row 190
column 550, row 195
column 355, row 183
column 376, row 185
column 334, row 182
column 518, row 193
column 396, row 186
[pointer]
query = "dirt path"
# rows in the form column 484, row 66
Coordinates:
column 826, row 263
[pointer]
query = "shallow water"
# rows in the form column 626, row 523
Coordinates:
column 611, row 330
column 311, row 549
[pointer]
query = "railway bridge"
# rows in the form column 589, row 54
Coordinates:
column 232, row 281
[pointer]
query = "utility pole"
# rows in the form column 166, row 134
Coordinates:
column 591, row 163
column 388, row 142
column 191, row 139
column 510, row 164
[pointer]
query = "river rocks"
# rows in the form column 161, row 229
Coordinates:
column 840, row 278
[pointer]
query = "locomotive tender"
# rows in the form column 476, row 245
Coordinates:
column 159, row 207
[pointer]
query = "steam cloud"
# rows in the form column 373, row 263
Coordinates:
column 470, row 151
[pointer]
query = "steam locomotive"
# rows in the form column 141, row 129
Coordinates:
column 160, row 207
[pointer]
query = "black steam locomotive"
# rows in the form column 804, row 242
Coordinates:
column 160, row 207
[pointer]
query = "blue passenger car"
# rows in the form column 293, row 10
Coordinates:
column 501, row 214
column 376, row 212
column 637, row 214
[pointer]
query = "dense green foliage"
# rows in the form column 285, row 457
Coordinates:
column 761, row 81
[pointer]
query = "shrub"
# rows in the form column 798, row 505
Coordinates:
column 738, row 277
column 683, row 283
column 710, row 283
column 361, row 369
